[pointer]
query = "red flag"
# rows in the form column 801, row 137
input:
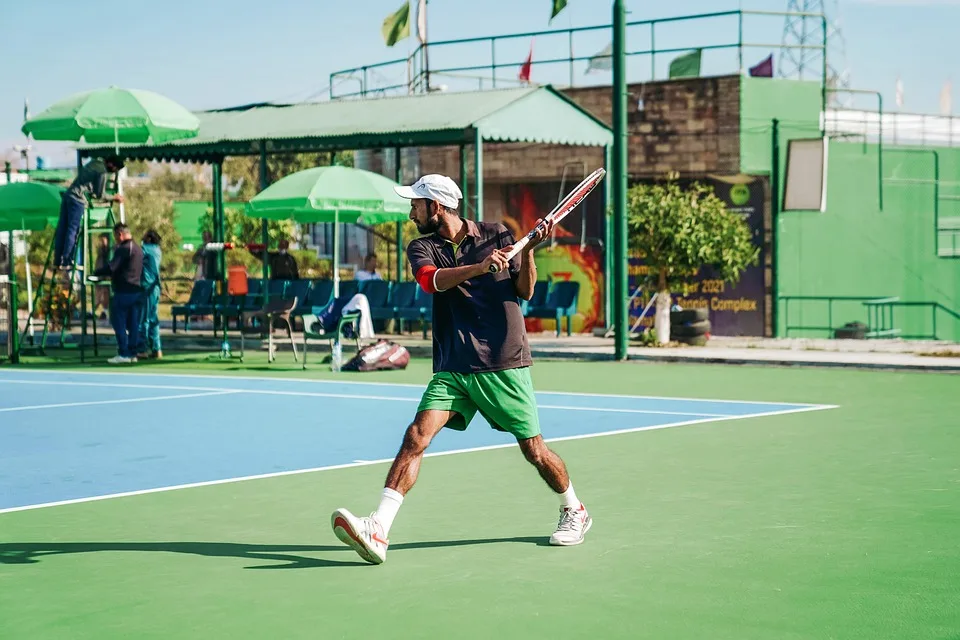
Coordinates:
column 524, row 74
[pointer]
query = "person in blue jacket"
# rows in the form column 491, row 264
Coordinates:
column 149, row 346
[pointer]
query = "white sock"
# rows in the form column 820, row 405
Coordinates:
column 387, row 511
column 569, row 498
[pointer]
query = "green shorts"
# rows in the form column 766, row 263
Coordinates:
column 504, row 398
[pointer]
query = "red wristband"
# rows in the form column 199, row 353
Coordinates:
column 425, row 278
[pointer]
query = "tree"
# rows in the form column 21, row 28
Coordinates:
column 677, row 231
column 149, row 205
column 244, row 171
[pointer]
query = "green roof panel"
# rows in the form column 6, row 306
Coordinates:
column 534, row 115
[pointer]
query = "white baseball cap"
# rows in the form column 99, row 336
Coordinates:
column 433, row 187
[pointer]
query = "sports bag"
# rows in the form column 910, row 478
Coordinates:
column 381, row 356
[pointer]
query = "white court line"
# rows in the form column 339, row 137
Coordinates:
column 364, row 463
column 350, row 396
column 388, row 384
column 98, row 402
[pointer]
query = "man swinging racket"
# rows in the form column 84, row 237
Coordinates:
column 481, row 358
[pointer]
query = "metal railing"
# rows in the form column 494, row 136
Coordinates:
column 831, row 303
column 894, row 128
column 880, row 319
column 417, row 74
column 884, row 308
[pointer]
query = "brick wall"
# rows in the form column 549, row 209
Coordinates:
column 689, row 126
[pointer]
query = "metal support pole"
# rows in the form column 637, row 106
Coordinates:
column 464, row 187
column 740, row 42
column 608, row 244
column 619, row 181
column 14, row 324
column 398, row 176
column 478, row 173
column 264, row 225
column 775, row 223
column 82, row 246
column 221, row 293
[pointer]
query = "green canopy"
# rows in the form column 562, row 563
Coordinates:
column 331, row 194
column 114, row 115
column 28, row 205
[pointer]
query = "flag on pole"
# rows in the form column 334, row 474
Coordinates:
column 558, row 6
column 899, row 95
column 763, row 69
column 687, row 65
column 524, row 74
column 396, row 27
column 946, row 99
column 422, row 21
column 602, row 60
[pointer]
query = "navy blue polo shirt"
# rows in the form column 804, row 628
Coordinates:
column 477, row 325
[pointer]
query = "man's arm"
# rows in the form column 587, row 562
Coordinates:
column 434, row 280
column 527, row 278
column 120, row 255
column 98, row 185
column 449, row 278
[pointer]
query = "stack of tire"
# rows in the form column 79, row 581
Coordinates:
column 690, row 326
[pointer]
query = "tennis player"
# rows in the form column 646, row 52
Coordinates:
column 481, row 358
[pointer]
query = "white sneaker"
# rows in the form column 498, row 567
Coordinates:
column 573, row 525
column 119, row 360
column 363, row 535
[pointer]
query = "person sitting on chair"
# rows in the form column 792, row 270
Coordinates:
column 91, row 180
column 283, row 266
column 369, row 271
column 329, row 318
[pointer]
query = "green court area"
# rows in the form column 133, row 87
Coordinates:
column 837, row 523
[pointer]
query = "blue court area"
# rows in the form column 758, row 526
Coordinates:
column 72, row 436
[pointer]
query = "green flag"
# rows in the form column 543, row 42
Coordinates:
column 558, row 6
column 397, row 25
column 687, row 65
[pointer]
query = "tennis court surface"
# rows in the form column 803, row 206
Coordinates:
column 178, row 505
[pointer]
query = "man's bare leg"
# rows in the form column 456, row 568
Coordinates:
column 574, row 519
column 548, row 464
column 406, row 466
column 368, row 536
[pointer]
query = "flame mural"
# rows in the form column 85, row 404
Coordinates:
column 577, row 253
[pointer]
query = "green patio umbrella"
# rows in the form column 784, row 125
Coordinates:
column 331, row 194
column 28, row 205
column 113, row 115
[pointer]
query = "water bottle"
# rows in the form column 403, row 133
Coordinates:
column 337, row 358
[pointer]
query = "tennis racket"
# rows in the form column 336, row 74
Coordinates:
column 559, row 212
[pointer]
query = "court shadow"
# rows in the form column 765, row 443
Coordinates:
column 30, row 552
column 540, row 541
column 285, row 555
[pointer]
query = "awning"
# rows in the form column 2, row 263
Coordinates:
column 531, row 115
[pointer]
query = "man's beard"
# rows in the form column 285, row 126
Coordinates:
column 432, row 225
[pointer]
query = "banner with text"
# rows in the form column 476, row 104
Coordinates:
column 735, row 310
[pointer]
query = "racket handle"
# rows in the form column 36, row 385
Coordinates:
column 513, row 252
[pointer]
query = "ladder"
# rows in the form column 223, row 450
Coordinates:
column 70, row 283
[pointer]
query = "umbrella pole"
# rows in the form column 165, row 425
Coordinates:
column 26, row 263
column 336, row 254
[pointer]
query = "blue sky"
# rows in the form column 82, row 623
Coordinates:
column 213, row 53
